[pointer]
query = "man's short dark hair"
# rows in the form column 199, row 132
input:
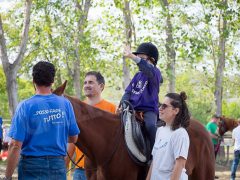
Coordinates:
column 43, row 73
column 98, row 75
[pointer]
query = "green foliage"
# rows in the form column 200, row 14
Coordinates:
column 25, row 89
column 119, row 4
column 200, row 96
column 231, row 109
column 3, row 95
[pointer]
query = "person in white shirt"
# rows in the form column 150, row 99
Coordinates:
column 236, row 139
column 171, row 146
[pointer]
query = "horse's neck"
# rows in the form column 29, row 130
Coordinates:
column 100, row 133
column 99, row 130
column 232, row 124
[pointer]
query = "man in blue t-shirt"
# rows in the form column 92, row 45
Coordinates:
column 142, row 92
column 41, row 127
column 1, row 134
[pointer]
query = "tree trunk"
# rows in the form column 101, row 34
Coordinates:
column 171, row 54
column 53, row 58
column 10, row 70
column 79, row 35
column 221, row 61
column 129, row 29
column 126, row 74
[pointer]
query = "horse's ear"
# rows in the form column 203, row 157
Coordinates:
column 60, row 90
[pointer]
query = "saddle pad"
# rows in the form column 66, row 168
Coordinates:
column 129, row 138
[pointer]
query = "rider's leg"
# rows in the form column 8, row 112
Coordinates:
column 150, row 119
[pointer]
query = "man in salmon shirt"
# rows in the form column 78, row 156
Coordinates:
column 93, row 86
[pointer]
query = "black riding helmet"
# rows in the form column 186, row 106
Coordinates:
column 148, row 49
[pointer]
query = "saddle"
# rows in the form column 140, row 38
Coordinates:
column 135, row 134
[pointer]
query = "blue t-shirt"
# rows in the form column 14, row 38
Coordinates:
column 144, row 87
column 1, row 130
column 43, row 123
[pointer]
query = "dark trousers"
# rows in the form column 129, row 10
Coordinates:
column 150, row 119
column 216, row 148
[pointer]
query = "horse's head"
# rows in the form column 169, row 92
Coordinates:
column 226, row 124
column 222, row 126
column 60, row 90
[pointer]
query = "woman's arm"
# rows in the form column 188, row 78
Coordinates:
column 178, row 167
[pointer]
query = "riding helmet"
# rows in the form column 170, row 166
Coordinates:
column 148, row 49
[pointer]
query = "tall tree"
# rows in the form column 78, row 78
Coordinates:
column 169, row 45
column 222, row 28
column 82, row 11
column 129, row 32
column 11, row 69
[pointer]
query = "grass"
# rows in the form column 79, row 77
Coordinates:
column 3, row 163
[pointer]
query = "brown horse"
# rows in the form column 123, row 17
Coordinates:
column 200, row 164
column 226, row 124
column 101, row 139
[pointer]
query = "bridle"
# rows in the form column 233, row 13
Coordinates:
column 223, row 127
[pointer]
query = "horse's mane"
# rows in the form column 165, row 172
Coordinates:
column 197, row 128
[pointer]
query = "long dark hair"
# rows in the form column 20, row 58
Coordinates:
column 182, row 119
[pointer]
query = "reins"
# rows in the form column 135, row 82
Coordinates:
column 76, row 164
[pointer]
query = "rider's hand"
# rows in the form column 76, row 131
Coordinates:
column 128, row 53
column 119, row 110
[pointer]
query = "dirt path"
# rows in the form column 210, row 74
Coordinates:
column 223, row 172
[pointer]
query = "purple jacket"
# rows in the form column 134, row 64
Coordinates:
column 142, row 92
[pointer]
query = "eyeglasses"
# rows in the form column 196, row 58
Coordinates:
column 164, row 106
